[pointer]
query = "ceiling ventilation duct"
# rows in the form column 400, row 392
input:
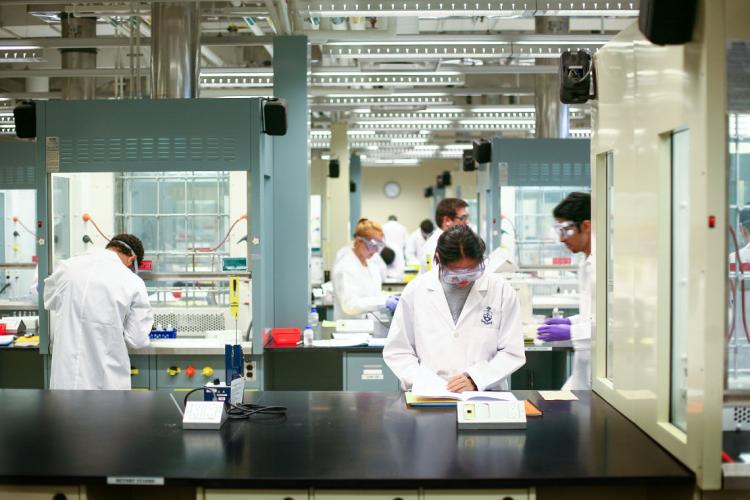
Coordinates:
column 78, row 58
column 175, row 50
column 552, row 121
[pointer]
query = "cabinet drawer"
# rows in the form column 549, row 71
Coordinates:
column 368, row 372
column 39, row 492
column 514, row 494
column 255, row 495
column 366, row 495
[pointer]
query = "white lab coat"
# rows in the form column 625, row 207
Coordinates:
column 393, row 272
column 356, row 288
column 486, row 342
column 101, row 308
column 395, row 236
column 415, row 248
column 580, row 329
column 429, row 251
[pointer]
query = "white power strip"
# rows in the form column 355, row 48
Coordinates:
column 204, row 415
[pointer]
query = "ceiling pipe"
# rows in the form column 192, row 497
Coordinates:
column 552, row 117
column 175, row 47
column 78, row 58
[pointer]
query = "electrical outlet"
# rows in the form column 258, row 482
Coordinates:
column 251, row 368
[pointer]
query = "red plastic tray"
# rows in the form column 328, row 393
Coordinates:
column 285, row 336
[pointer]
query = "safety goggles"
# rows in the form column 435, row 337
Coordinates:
column 132, row 253
column 458, row 276
column 564, row 230
column 372, row 244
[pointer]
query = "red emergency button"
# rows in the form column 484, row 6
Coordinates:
column 189, row 371
column 711, row 221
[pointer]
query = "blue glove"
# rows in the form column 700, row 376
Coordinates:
column 391, row 302
column 557, row 321
column 551, row 333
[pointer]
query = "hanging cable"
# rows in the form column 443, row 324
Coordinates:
column 87, row 218
column 18, row 221
column 226, row 237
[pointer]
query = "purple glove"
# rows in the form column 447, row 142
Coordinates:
column 557, row 321
column 551, row 333
column 391, row 302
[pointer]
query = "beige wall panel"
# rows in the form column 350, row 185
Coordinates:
column 411, row 207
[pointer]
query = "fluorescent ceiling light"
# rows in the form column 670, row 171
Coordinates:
column 22, row 54
column 387, row 73
column 325, row 157
column 386, row 43
column 360, row 132
column 496, row 122
column 404, row 122
column 459, row 146
column 405, row 140
column 324, row 133
column 388, row 81
column 504, row 109
column 372, row 148
column 427, row 147
column 425, row 132
column 4, row 47
column 361, row 110
column 391, row 95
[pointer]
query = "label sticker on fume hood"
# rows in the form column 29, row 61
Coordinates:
column 53, row 154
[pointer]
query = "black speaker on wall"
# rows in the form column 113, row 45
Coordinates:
column 274, row 116
column 467, row 161
column 576, row 77
column 439, row 182
column 428, row 193
column 482, row 151
column 333, row 169
column 352, row 187
column 446, row 178
column 667, row 22
column 24, row 116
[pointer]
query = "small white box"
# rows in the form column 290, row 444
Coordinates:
column 491, row 414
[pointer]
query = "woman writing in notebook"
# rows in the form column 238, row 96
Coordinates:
column 457, row 321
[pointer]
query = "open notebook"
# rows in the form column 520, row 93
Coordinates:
column 429, row 385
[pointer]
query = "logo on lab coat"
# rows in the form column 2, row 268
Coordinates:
column 487, row 316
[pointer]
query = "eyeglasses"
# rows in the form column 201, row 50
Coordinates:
column 462, row 218
column 373, row 245
column 564, row 230
column 457, row 276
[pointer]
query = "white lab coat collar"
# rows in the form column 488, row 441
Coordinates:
column 438, row 300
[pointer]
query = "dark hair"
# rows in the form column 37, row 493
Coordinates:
column 576, row 207
column 745, row 217
column 387, row 254
column 392, row 217
column 448, row 208
column 427, row 226
column 131, row 241
column 457, row 242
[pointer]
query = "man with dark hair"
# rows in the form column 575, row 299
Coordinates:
column 449, row 212
column 573, row 227
column 416, row 241
column 101, row 308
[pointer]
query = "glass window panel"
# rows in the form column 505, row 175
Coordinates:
column 172, row 196
column 204, row 196
column 610, row 242
column 145, row 227
column 173, row 233
column 142, row 196
column 680, row 276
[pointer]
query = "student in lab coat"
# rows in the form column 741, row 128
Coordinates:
column 573, row 226
column 396, row 235
column 101, row 308
column 356, row 280
column 745, row 234
column 448, row 213
column 457, row 321
column 416, row 241
column 390, row 264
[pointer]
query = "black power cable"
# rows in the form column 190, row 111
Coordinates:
column 242, row 411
